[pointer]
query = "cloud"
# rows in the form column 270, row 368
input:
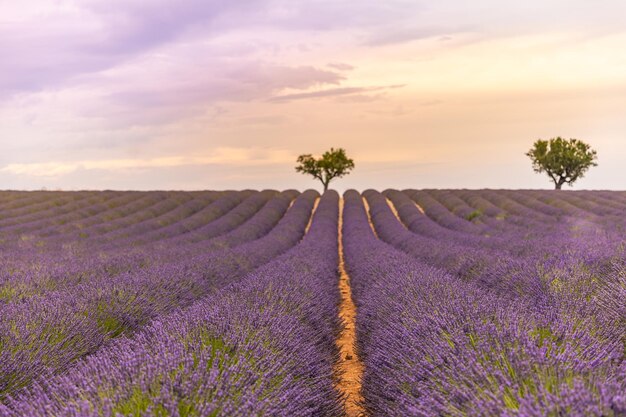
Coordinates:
column 220, row 156
column 332, row 92
column 395, row 36
column 341, row 66
column 195, row 90
column 49, row 49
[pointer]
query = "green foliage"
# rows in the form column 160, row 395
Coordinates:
column 563, row 160
column 332, row 164
column 474, row 215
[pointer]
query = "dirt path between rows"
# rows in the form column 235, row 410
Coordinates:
column 395, row 212
column 308, row 226
column 349, row 368
column 369, row 216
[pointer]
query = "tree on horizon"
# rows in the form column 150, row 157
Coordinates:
column 565, row 161
column 332, row 164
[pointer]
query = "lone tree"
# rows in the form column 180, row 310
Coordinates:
column 333, row 164
column 563, row 160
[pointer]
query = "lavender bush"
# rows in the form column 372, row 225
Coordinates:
column 226, row 303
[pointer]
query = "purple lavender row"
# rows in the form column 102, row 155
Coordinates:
column 114, row 211
column 177, row 217
column 101, row 225
column 565, row 235
column 55, row 263
column 593, row 206
column 433, row 345
column 440, row 214
column 458, row 259
column 221, row 219
column 48, row 201
column 448, row 199
column 154, row 218
column 421, row 224
column 604, row 219
column 51, row 207
column 535, row 273
column 63, row 274
column 46, row 334
column 267, row 205
column 505, row 223
column 15, row 199
column 44, row 223
column 501, row 213
column 512, row 207
column 503, row 238
column 56, row 271
column 264, row 346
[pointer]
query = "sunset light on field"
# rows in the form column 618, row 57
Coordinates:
column 226, row 94
column 312, row 208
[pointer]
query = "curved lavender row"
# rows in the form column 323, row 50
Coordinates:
column 477, row 201
column 164, row 205
column 44, row 222
column 18, row 199
column 543, row 266
column 501, row 210
column 571, row 221
column 231, row 217
column 541, row 200
column 565, row 202
column 433, row 345
column 458, row 259
column 51, row 332
column 53, row 265
column 421, row 224
column 596, row 203
column 126, row 201
column 453, row 203
column 15, row 199
column 41, row 226
column 56, row 271
column 510, row 206
column 76, row 200
column 617, row 198
column 264, row 346
column 118, row 216
column 150, row 219
column 214, row 221
column 414, row 219
column 456, row 204
column 588, row 210
column 534, row 204
column 253, row 228
column 440, row 214
column 217, row 208
column 497, row 234
column 48, row 203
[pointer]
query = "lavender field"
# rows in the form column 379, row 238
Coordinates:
column 265, row 303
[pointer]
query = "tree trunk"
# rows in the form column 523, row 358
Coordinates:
column 558, row 184
column 325, row 186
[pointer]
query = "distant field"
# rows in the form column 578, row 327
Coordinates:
column 243, row 303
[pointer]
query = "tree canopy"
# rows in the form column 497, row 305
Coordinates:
column 332, row 164
column 563, row 160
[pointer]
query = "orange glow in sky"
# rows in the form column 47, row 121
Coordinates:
column 212, row 95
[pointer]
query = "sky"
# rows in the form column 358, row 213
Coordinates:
column 222, row 94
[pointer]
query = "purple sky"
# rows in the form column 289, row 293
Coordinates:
column 207, row 94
